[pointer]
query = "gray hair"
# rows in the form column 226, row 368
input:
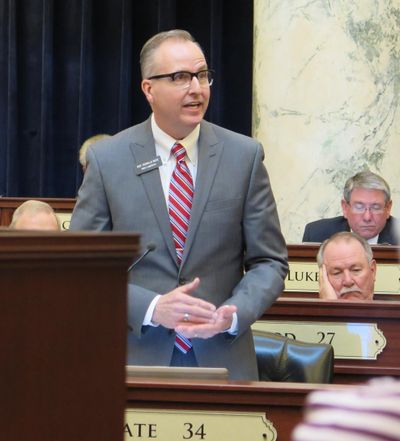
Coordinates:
column 32, row 207
column 151, row 45
column 368, row 180
column 345, row 236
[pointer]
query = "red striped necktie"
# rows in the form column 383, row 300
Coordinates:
column 180, row 199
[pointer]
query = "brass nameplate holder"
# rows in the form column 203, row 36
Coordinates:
column 152, row 424
column 358, row 341
column 303, row 277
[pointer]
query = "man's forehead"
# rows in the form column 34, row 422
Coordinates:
column 343, row 250
column 360, row 194
column 177, row 55
column 179, row 48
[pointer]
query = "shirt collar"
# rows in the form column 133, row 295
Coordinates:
column 164, row 142
column 373, row 240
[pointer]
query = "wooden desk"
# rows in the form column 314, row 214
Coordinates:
column 385, row 314
column 281, row 403
column 8, row 206
column 63, row 334
column 307, row 252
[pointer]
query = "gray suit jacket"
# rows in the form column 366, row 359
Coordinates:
column 234, row 243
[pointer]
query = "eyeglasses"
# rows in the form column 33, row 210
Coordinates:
column 360, row 208
column 184, row 78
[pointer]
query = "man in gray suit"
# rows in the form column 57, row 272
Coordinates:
column 208, row 286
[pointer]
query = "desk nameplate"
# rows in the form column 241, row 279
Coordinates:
column 358, row 341
column 64, row 219
column 303, row 277
column 160, row 425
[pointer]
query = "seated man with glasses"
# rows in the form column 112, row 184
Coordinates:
column 366, row 207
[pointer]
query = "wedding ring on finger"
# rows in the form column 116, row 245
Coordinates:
column 186, row 317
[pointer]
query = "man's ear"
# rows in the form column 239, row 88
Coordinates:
column 372, row 266
column 146, row 89
column 388, row 208
column 345, row 208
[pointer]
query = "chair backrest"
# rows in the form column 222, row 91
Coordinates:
column 284, row 359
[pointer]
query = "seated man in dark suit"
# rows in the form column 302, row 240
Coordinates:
column 366, row 207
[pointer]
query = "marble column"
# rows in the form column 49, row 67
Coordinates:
column 326, row 100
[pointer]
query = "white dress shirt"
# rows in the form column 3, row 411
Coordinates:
column 164, row 144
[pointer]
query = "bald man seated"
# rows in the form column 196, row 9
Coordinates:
column 35, row 215
column 347, row 269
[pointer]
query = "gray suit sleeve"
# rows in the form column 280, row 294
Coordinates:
column 265, row 249
column 92, row 212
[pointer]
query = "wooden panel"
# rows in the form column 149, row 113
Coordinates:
column 282, row 403
column 8, row 206
column 307, row 252
column 63, row 335
column 385, row 313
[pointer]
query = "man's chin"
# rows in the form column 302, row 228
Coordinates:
column 367, row 233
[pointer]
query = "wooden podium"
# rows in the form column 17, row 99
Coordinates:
column 63, row 335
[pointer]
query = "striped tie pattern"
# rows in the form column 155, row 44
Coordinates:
column 180, row 199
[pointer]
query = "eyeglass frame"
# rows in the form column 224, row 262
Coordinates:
column 378, row 209
column 192, row 75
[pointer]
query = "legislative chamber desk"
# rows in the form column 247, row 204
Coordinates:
column 307, row 252
column 373, row 327
column 62, row 206
column 63, row 334
column 229, row 402
column 302, row 279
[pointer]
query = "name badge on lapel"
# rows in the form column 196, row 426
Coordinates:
column 147, row 166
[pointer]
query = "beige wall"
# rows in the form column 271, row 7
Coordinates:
column 326, row 100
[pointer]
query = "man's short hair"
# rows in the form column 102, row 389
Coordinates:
column 87, row 144
column 151, row 45
column 32, row 207
column 367, row 180
column 345, row 236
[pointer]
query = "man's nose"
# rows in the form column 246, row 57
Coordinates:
column 367, row 215
column 194, row 85
column 347, row 279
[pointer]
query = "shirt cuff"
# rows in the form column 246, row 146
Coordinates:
column 233, row 330
column 149, row 314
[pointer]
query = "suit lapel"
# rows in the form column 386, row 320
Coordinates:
column 143, row 150
column 209, row 153
column 210, row 150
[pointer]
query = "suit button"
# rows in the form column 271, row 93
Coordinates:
column 182, row 281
